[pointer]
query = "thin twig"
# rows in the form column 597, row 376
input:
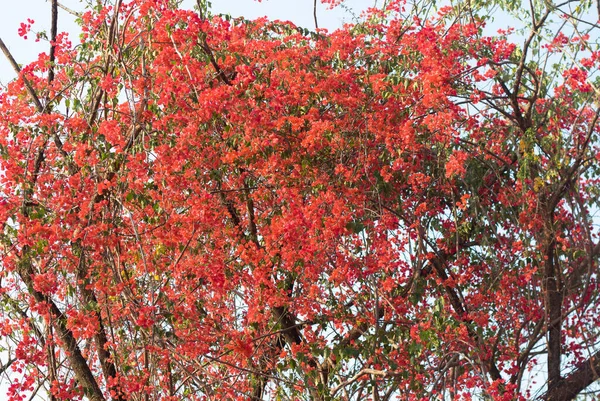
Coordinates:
column 70, row 11
column 7, row 365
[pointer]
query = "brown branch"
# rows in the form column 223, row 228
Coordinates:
column 220, row 73
column 51, row 360
column 289, row 332
column 575, row 382
column 53, row 32
column 235, row 218
column 571, row 173
column 78, row 363
column 69, row 10
column 82, row 371
column 367, row 371
column 554, row 298
column 112, row 32
column 89, row 297
column 34, row 97
column 520, row 68
column 7, row 365
column 17, row 69
column 439, row 262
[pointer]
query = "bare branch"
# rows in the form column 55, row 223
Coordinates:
column 53, row 32
column 69, row 10
column 17, row 69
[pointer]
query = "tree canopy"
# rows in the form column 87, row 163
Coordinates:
column 200, row 207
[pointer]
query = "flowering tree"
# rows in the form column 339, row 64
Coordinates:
column 205, row 208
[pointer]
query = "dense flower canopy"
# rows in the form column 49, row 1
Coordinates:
column 208, row 208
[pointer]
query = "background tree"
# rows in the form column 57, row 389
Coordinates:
column 201, row 207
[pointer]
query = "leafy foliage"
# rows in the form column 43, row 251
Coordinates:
column 202, row 207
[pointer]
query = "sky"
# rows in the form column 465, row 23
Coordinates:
column 14, row 13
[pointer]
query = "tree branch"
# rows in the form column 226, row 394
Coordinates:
column 575, row 382
column 53, row 32
column 82, row 371
column 17, row 69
